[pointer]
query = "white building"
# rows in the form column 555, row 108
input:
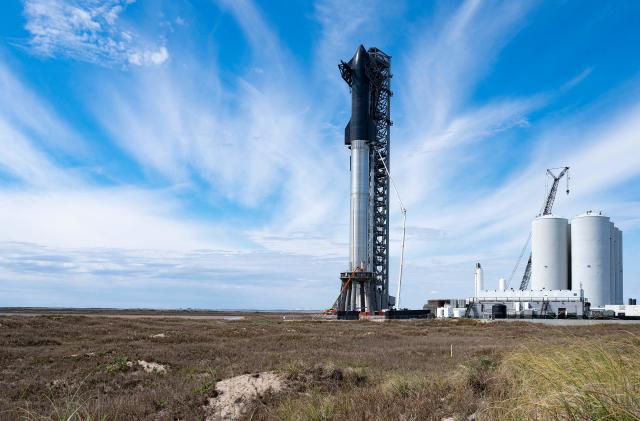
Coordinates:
column 571, row 264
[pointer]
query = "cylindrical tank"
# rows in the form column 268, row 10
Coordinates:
column 549, row 253
column 620, row 289
column 502, row 284
column 591, row 257
column 499, row 311
column 613, row 273
column 569, row 256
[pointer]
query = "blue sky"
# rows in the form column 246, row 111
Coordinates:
column 190, row 154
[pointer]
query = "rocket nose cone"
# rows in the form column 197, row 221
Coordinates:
column 359, row 57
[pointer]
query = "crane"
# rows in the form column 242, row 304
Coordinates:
column 546, row 210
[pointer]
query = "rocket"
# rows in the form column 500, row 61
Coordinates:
column 365, row 284
column 358, row 134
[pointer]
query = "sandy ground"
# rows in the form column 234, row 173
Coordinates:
column 237, row 394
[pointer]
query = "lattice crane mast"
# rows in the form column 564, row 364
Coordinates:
column 546, row 210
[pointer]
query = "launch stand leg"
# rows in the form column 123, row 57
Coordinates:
column 360, row 294
column 347, row 298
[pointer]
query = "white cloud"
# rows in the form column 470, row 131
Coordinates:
column 253, row 142
column 33, row 275
column 25, row 162
column 87, row 30
column 59, row 206
column 123, row 218
column 149, row 57
column 26, row 110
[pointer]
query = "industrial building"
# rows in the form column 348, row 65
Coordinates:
column 575, row 266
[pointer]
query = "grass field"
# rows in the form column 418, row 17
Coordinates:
column 57, row 366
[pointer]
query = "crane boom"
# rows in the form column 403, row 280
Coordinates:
column 554, row 188
column 546, row 210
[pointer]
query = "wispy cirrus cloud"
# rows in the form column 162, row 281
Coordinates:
column 25, row 162
column 256, row 141
column 89, row 30
column 261, row 142
column 441, row 69
column 26, row 111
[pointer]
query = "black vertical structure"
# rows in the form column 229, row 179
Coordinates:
column 368, row 74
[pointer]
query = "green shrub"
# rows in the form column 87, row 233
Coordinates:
column 121, row 364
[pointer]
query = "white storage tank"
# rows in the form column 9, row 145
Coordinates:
column 613, row 277
column 569, row 277
column 619, row 284
column 591, row 257
column 549, row 253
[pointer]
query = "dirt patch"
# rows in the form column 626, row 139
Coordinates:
column 236, row 395
column 150, row 367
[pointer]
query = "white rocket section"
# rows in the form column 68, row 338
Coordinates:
column 550, row 253
column 359, row 247
column 502, row 284
column 479, row 280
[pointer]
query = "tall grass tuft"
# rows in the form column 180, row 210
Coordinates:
column 72, row 407
column 585, row 379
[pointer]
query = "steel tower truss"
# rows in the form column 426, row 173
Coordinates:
column 379, row 72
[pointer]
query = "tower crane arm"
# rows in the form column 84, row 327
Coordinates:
column 546, row 210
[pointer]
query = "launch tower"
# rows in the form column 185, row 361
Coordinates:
column 365, row 285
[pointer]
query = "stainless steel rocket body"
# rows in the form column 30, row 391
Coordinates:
column 359, row 238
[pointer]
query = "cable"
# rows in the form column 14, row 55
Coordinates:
column 404, row 227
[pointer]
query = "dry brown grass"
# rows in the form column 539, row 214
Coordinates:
column 399, row 369
column 590, row 379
